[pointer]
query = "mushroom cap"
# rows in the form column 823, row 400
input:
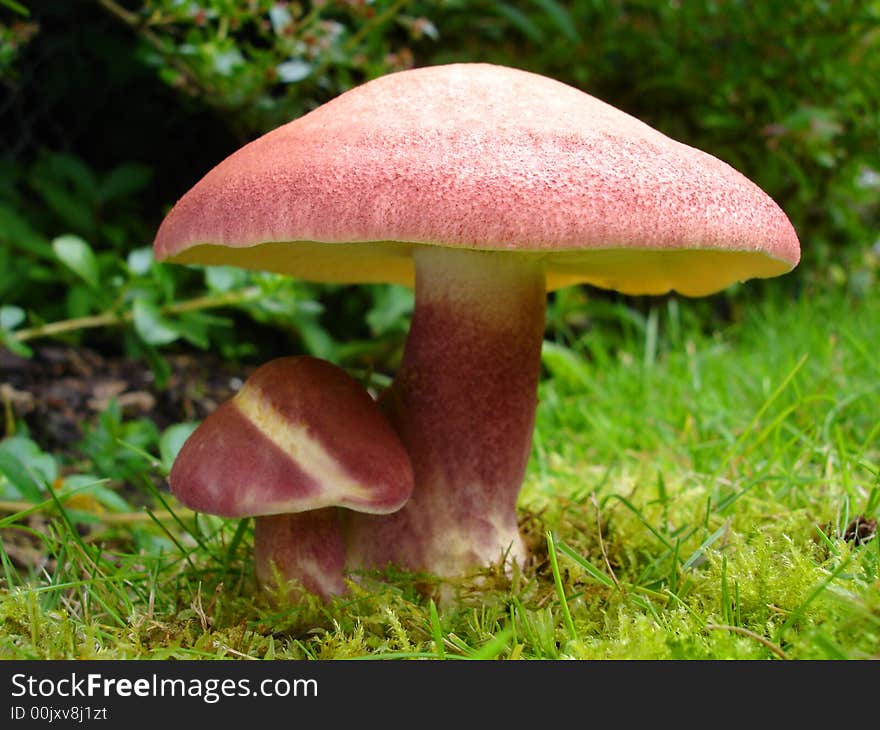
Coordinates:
column 483, row 157
column 301, row 434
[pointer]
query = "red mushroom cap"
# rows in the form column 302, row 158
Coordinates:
column 300, row 435
column 481, row 157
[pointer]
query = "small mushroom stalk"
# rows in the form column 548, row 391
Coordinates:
column 300, row 441
column 304, row 551
column 463, row 403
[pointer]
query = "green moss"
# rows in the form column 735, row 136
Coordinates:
column 699, row 503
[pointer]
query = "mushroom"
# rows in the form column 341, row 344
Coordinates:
column 483, row 187
column 299, row 440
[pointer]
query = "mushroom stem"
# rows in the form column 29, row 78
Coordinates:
column 463, row 403
column 302, row 551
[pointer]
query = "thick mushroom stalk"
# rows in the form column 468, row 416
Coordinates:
column 300, row 440
column 463, row 403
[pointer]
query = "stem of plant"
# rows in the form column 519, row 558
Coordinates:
column 109, row 319
column 22, row 509
column 138, row 24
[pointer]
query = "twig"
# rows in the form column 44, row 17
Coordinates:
column 376, row 21
column 196, row 606
column 110, row 518
column 223, row 647
column 109, row 319
column 355, row 39
column 136, row 23
column 752, row 635
column 602, row 542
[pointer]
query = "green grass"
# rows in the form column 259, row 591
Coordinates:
column 688, row 497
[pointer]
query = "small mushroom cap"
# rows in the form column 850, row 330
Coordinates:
column 481, row 157
column 301, row 434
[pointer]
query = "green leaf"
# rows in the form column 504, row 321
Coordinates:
column 560, row 18
column 292, row 71
column 317, row 340
column 17, row 232
column 521, row 21
column 151, row 326
column 140, row 260
column 171, row 441
column 226, row 61
column 69, row 188
column 7, row 340
column 20, row 478
column 225, row 278
column 70, row 172
column 158, row 364
column 25, row 466
column 90, row 484
column 31, row 455
column 78, row 256
column 124, row 180
column 11, row 316
column 391, row 309
column 80, row 300
column 194, row 329
column 17, row 7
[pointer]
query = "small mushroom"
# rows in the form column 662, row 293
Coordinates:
column 483, row 187
column 300, row 440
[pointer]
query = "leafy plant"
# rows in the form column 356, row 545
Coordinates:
column 16, row 31
column 265, row 62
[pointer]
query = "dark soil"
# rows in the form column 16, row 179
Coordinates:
column 61, row 389
column 860, row 530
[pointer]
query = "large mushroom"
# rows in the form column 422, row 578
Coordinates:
column 301, row 443
column 484, row 187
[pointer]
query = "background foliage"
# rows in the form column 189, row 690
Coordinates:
column 111, row 109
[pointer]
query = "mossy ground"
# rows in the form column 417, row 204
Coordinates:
column 699, row 491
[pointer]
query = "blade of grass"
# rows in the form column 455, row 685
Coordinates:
column 9, row 571
column 237, row 537
column 436, row 630
column 183, row 551
column 174, row 516
column 492, row 648
column 584, row 564
column 780, row 389
column 726, row 613
column 93, row 562
column 557, row 579
column 829, row 646
column 698, row 553
column 653, row 530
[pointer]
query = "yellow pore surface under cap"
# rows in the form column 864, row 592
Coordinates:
column 692, row 272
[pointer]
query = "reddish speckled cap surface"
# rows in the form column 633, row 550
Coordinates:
column 300, row 435
column 483, row 157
